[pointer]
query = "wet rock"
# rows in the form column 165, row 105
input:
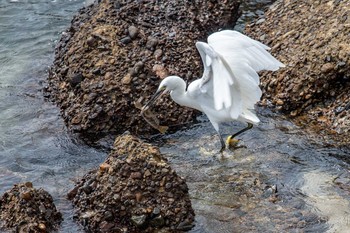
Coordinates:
column 131, row 195
column 107, row 43
column 27, row 209
column 311, row 39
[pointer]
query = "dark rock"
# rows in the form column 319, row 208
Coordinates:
column 76, row 79
column 125, row 40
column 312, row 41
column 26, row 209
column 91, row 41
column 124, row 199
column 138, row 220
column 105, row 42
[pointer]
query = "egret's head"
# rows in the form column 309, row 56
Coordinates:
column 168, row 84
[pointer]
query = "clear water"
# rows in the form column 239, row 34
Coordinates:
column 226, row 192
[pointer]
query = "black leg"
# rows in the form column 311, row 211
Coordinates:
column 250, row 125
column 223, row 145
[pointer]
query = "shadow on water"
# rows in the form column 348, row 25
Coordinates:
column 282, row 181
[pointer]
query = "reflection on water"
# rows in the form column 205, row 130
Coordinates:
column 280, row 183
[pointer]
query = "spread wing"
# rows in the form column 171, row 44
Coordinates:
column 231, row 61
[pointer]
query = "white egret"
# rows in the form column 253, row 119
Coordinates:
column 229, row 87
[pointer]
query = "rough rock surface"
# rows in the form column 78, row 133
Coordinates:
column 312, row 39
column 26, row 209
column 118, row 51
column 134, row 190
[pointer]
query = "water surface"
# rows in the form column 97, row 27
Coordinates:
column 282, row 181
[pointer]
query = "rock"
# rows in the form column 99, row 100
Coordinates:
column 121, row 50
column 27, row 209
column 125, row 40
column 312, row 41
column 133, row 31
column 126, row 199
column 91, row 41
column 151, row 42
column 76, row 79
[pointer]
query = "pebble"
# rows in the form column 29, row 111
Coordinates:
column 133, row 32
column 125, row 40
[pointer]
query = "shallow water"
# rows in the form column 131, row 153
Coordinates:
column 282, row 181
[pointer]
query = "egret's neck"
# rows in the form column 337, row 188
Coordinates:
column 179, row 94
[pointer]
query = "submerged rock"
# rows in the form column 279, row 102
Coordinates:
column 312, row 39
column 118, row 51
column 26, row 209
column 134, row 190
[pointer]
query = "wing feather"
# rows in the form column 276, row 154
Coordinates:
column 231, row 61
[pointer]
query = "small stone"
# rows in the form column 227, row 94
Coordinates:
column 138, row 197
column 87, row 189
column 279, row 102
column 160, row 71
column 91, row 41
column 156, row 211
column 26, row 195
column 108, row 216
column 138, row 220
column 126, row 79
column 147, row 173
column 138, row 66
column 326, row 68
column 136, row 175
column 125, row 40
column 76, row 79
column 28, row 184
column 151, row 42
column 133, row 32
column 104, row 167
column 158, row 54
column 42, row 226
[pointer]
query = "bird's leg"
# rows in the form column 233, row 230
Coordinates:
column 223, row 145
column 231, row 141
column 250, row 125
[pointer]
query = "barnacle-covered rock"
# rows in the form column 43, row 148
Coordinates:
column 134, row 190
column 118, row 51
column 27, row 209
column 312, row 39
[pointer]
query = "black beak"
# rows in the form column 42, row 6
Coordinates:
column 158, row 94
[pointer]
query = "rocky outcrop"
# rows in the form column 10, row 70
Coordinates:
column 27, row 209
column 312, row 39
column 116, row 52
column 134, row 190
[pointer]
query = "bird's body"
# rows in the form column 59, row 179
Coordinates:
column 229, row 87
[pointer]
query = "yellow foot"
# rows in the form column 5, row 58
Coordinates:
column 232, row 142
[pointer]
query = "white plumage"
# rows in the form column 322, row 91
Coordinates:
column 229, row 87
